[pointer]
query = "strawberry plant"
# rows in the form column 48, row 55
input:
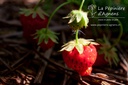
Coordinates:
column 45, row 38
column 107, row 52
column 79, row 54
column 32, row 19
column 35, row 24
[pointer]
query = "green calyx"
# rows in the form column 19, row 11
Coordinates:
column 110, row 55
column 79, row 46
column 33, row 12
column 77, row 19
column 44, row 35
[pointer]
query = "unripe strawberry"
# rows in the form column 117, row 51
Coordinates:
column 79, row 56
column 77, row 19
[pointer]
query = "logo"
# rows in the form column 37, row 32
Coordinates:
column 106, row 11
column 92, row 9
column 106, row 14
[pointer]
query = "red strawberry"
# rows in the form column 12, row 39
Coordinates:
column 80, row 57
column 87, row 72
column 46, row 46
column 45, row 38
column 31, row 21
column 105, row 54
column 100, row 61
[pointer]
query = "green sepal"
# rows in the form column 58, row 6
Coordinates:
column 77, row 19
column 26, row 12
column 34, row 15
column 34, row 12
column 79, row 46
column 109, row 55
column 45, row 34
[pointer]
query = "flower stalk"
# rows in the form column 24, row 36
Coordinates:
column 77, row 31
column 82, row 3
column 63, row 4
column 119, row 37
column 37, row 5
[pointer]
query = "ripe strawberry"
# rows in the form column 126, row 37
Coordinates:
column 87, row 72
column 31, row 21
column 100, row 61
column 80, row 57
column 105, row 54
column 45, row 38
column 46, row 46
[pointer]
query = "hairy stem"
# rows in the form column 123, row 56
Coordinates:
column 77, row 32
column 65, row 3
column 37, row 5
column 81, row 5
column 119, row 37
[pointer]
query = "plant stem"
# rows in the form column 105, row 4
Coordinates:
column 37, row 5
column 119, row 37
column 77, row 32
column 81, row 5
column 65, row 3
